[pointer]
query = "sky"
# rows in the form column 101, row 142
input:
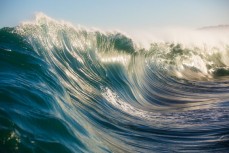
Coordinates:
column 119, row 13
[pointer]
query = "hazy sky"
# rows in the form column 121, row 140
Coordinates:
column 120, row 13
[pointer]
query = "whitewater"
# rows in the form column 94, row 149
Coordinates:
column 74, row 89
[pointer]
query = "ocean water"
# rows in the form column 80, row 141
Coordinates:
column 65, row 89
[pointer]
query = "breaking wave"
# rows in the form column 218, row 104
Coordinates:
column 72, row 89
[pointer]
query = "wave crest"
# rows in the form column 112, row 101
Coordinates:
column 72, row 89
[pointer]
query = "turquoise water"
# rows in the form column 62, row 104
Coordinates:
column 66, row 89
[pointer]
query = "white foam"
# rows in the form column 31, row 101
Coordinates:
column 186, row 36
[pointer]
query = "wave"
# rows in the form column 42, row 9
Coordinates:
column 177, row 58
column 74, row 89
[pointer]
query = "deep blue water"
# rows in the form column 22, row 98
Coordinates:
column 64, row 89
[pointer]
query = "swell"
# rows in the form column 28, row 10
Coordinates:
column 68, row 89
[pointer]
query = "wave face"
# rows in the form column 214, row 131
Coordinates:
column 68, row 89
